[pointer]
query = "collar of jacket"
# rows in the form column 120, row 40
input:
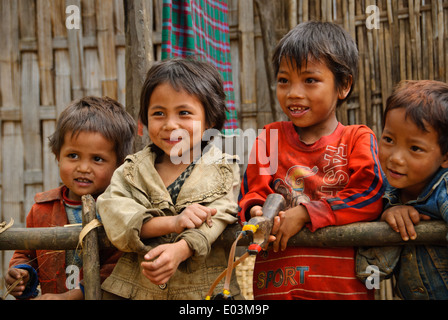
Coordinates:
column 392, row 194
column 50, row 195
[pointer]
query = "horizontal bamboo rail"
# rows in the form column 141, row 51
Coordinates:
column 357, row 234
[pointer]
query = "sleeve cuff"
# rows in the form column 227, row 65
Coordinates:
column 31, row 287
column 320, row 213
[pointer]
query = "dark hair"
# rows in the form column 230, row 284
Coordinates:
column 196, row 77
column 425, row 102
column 93, row 114
column 321, row 41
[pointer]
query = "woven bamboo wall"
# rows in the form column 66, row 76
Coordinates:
column 43, row 66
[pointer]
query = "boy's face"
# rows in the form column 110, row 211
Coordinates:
column 309, row 96
column 86, row 163
column 176, row 121
column 409, row 156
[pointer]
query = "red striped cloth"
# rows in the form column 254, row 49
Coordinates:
column 200, row 27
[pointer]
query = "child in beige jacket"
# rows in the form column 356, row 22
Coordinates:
column 168, row 203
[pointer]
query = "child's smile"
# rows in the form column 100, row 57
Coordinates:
column 297, row 111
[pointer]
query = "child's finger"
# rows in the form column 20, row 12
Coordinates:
column 153, row 254
column 410, row 229
column 406, row 228
column 256, row 211
column 276, row 225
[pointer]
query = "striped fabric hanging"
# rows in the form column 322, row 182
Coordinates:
column 200, row 27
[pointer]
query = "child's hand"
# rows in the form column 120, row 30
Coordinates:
column 291, row 222
column 402, row 219
column 12, row 276
column 193, row 217
column 163, row 261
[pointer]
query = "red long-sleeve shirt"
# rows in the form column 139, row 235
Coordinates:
column 339, row 180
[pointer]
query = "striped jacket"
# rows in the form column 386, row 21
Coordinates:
column 339, row 180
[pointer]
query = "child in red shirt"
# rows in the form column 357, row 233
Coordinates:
column 92, row 138
column 328, row 173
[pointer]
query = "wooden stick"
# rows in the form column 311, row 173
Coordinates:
column 357, row 234
column 90, row 252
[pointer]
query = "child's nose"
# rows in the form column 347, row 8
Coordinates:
column 296, row 91
column 84, row 167
column 170, row 124
column 397, row 157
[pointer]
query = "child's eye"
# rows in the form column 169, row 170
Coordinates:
column 157, row 114
column 282, row 80
column 98, row 159
column 310, row 80
column 416, row 149
column 184, row 113
column 387, row 139
column 72, row 156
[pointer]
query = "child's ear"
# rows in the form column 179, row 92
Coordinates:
column 343, row 93
column 445, row 161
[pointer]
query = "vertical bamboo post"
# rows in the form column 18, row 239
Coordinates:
column 90, row 252
column 247, row 64
column 139, row 55
column 266, row 11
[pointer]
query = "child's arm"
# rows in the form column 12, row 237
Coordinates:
column 361, row 198
column 191, row 217
column 123, row 213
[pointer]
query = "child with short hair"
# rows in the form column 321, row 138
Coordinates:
column 167, row 204
column 328, row 173
column 92, row 138
column 413, row 152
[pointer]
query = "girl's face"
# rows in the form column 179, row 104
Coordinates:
column 86, row 163
column 176, row 123
column 309, row 98
column 409, row 156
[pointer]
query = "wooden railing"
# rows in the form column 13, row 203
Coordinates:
column 68, row 237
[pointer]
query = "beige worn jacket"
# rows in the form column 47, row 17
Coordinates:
column 137, row 193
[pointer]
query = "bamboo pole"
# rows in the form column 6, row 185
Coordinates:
column 90, row 252
column 55, row 238
column 247, row 64
column 266, row 11
column 357, row 234
column 139, row 56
